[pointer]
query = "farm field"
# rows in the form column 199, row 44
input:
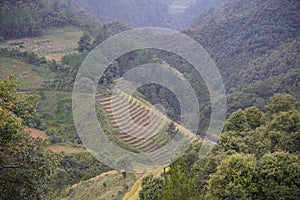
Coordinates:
column 138, row 126
column 54, row 44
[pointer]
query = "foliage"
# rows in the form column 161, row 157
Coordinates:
column 22, row 106
column 151, row 188
column 237, row 122
column 73, row 168
column 254, row 45
column 278, row 176
column 254, row 117
column 136, row 12
column 180, row 184
column 256, row 158
column 74, row 59
column 29, row 18
column 234, row 178
column 84, row 43
column 26, row 167
column 172, row 129
column 280, row 103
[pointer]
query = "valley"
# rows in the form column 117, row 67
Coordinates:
column 255, row 45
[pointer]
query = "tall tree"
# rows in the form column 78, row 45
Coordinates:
column 234, row 178
column 84, row 43
column 278, row 176
column 26, row 167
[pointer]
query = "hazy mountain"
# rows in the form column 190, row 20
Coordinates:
column 141, row 13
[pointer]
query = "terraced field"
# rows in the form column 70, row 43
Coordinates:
column 137, row 126
column 133, row 124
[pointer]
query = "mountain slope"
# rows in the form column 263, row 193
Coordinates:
column 107, row 186
column 252, row 42
column 139, row 13
column 29, row 18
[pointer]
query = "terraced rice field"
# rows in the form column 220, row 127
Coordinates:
column 135, row 125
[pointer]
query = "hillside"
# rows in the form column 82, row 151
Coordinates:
column 250, row 42
column 110, row 185
column 29, row 19
column 135, row 12
column 166, row 13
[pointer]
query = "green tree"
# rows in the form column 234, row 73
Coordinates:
column 232, row 141
column 278, row 176
column 234, row 178
column 180, row 184
column 26, row 168
column 84, row 43
column 23, row 106
column 280, row 103
column 151, row 188
column 254, row 117
column 237, row 122
column 172, row 129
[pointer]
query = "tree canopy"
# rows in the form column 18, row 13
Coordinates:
column 26, row 167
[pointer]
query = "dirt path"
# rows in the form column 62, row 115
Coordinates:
column 36, row 133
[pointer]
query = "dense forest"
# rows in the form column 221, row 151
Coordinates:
column 28, row 19
column 255, row 45
column 257, row 157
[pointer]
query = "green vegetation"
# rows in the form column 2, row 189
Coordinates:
column 256, row 47
column 26, row 166
column 30, row 77
column 55, row 110
column 28, row 19
column 108, row 186
column 72, row 168
column 249, row 159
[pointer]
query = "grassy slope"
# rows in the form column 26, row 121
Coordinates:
column 56, row 111
column 107, row 186
column 66, row 37
column 29, row 77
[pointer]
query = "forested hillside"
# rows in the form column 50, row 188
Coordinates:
column 29, row 19
column 253, row 44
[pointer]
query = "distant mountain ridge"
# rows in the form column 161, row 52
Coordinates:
column 141, row 13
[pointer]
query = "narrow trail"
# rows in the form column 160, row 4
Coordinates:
column 133, row 194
